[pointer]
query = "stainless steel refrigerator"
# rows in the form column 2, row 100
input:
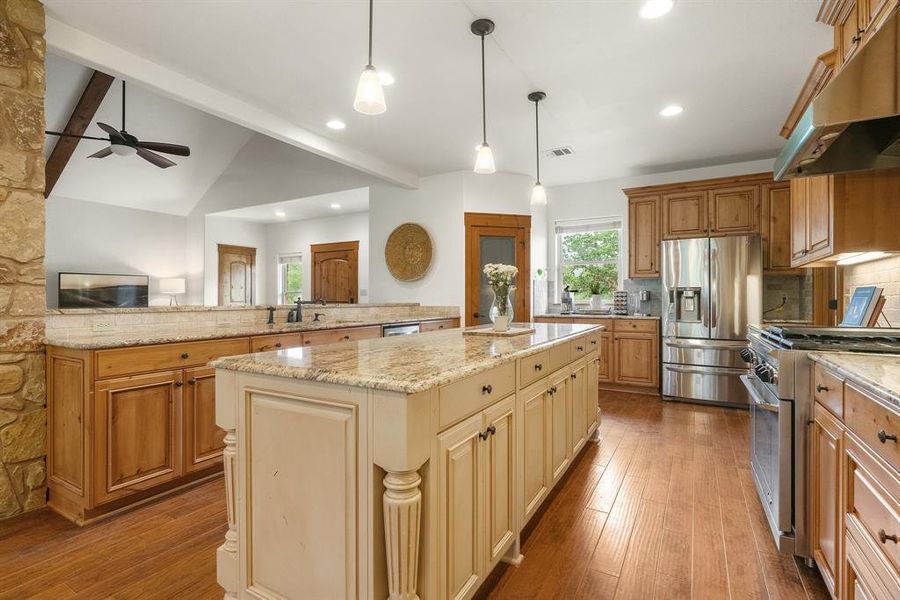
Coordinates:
column 712, row 289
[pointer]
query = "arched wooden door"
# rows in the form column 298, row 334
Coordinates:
column 237, row 281
column 335, row 272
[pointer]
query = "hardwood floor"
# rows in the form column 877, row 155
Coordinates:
column 662, row 507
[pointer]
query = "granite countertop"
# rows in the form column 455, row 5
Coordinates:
column 183, row 332
column 878, row 374
column 406, row 364
column 588, row 316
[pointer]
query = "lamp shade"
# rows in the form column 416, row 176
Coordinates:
column 171, row 285
column 538, row 195
column 369, row 94
column 484, row 160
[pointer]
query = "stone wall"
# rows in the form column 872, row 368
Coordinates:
column 22, row 304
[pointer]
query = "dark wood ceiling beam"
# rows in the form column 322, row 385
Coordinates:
column 81, row 117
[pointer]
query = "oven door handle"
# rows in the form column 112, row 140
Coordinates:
column 721, row 371
column 707, row 346
column 758, row 400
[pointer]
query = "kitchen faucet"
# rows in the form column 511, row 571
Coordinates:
column 296, row 314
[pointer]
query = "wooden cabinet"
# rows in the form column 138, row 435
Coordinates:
column 848, row 29
column 684, row 215
column 203, row 439
column 534, row 408
column 560, row 452
column 499, row 474
column 733, row 210
column 825, row 495
column 604, row 363
column 578, row 400
column 276, row 341
column 643, row 237
column 591, row 403
column 636, row 358
column 776, row 227
column 426, row 326
column 137, row 443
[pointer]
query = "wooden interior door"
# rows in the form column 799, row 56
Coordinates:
column 335, row 272
column 492, row 238
column 237, row 275
column 203, row 439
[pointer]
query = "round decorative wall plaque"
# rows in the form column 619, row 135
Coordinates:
column 408, row 252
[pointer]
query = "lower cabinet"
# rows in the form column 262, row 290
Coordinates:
column 637, row 359
column 578, row 399
column 203, row 439
column 825, row 495
column 560, row 451
column 534, row 407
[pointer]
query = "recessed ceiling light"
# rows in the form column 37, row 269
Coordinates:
column 385, row 78
column 671, row 110
column 335, row 205
column 652, row 9
column 280, row 213
column 336, row 124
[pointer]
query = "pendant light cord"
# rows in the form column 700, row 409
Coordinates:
column 537, row 142
column 483, row 98
column 123, row 105
column 371, row 10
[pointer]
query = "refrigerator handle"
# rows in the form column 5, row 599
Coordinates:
column 713, row 287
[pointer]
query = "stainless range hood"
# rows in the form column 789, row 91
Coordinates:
column 854, row 123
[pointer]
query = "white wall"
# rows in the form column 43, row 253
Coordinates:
column 222, row 230
column 296, row 236
column 90, row 237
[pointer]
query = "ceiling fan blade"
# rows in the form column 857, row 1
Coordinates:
column 80, row 137
column 114, row 134
column 176, row 149
column 101, row 153
column 152, row 157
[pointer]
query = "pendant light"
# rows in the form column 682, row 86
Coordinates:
column 484, row 159
column 538, row 193
column 369, row 94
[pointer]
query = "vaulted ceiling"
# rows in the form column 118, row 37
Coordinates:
column 735, row 67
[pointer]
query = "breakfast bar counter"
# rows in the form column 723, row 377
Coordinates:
column 396, row 467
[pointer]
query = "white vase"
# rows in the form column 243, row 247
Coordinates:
column 596, row 302
column 501, row 323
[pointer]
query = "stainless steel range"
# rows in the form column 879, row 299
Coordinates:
column 781, row 410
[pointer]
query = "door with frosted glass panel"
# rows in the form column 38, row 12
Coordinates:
column 496, row 239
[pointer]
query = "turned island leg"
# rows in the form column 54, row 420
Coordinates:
column 402, row 517
column 227, row 559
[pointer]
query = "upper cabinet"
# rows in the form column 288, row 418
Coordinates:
column 733, row 210
column 643, row 238
column 684, row 214
column 848, row 30
column 854, row 22
column 776, row 226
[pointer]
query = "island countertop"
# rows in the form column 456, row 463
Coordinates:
column 879, row 374
column 406, row 364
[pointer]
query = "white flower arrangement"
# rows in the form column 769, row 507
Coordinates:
column 500, row 278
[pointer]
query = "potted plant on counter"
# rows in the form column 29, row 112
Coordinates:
column 500, row 278
column 596, row 299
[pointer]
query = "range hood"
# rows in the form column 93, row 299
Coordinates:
column 854, row 122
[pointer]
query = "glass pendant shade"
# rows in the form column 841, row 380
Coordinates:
column 484, row 160
column 538, row 195
column 369, row 94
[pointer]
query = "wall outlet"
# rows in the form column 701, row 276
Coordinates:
column 101, row 325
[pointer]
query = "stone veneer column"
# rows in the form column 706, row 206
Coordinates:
column 23, row 419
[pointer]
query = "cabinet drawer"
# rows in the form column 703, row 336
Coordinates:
column 829, row 391
column 268, row 343
column 333, row 336
column 593, row 341
column 578, row 348
column 559, row 356
column 873, row 497
column 462, row 398
column 427, row 326
column 143, row 359
column 873, row 423
column 865, row 577
column 532, row 368
column 636, row 325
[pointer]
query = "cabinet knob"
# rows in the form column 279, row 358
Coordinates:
column 346, row 337
column 884, row 436
column 192, row 380
column 822, row 388
column 538, row 367
column 487, row 432
column 487, row 389
column 552, row 390
column 179, row 383
column 278, row 344
column 593, row 342
column 574, row 375
column 185, row 355
column 579, row 348
column 884, row 537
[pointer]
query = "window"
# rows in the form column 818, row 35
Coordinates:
column 589, row 257
column 290, row 278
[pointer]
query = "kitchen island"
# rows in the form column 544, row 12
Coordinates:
column 397, row 467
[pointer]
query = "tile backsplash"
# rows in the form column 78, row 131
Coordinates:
column 884, row 273
column 797, row 291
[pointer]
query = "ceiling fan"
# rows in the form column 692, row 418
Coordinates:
column 123, row 143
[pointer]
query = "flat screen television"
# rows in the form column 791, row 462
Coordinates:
column 101, row 290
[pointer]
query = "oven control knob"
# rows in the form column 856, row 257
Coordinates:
column 764, row 372
column 747, row 355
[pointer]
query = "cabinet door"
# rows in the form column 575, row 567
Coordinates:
column 819, row 209
column 734, row 210
column 499, row 467
column 578, row 403
column 825, row 454
column 604, row 367
column 637, row 359
column 799, row 201
column 591, row 394
column 203, row 439
column 776, row 227
column 138, row 431
column 643, row 237
column 848, row 31
column 684, row 215
column 559, row 426
column 460, row 495
column 535, row 451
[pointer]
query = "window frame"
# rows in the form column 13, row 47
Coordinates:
column 594, row 225
column 281, row 265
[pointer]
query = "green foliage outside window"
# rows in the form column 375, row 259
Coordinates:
column 589, row 263
column 292, row 282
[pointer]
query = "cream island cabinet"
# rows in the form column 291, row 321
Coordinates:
column 400, row 467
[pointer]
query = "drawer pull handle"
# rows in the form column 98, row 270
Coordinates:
column 487, row 389
column 884, row 436
column 185, row 355
column 487, row 432
column 574, row 375
column 192, row 380
column 822, row 388
column 884, row 537
column 179, row 383
column 579, row 348
column 278, row 344
column 552, row 390
column 346, row 337
column 539, row 367
column 593, row 342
